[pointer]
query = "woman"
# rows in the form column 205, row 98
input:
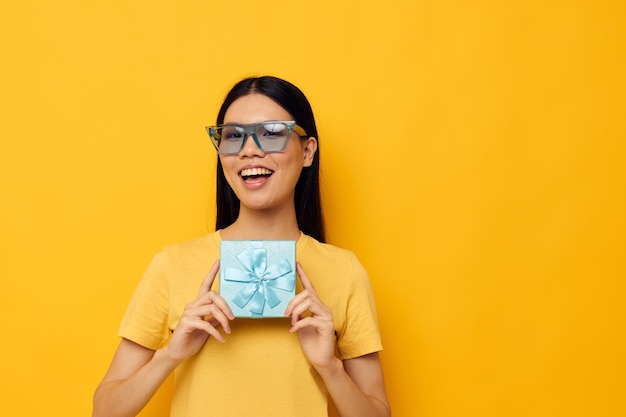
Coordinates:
column 267, row 189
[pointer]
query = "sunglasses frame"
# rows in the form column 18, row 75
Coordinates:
column 250, row 130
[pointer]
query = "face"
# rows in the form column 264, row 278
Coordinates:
column 265, row 181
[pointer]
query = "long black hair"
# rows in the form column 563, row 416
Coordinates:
column 307, row 198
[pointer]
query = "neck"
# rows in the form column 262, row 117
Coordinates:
column 263, row 225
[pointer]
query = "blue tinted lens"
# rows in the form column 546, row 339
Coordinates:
column 268, row 136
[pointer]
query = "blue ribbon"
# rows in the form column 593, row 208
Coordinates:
column 260, row 280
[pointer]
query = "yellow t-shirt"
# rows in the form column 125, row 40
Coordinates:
column 260, row 370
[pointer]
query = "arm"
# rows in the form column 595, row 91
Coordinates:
column 356, row 385
column 136, row 372
column 134, row 376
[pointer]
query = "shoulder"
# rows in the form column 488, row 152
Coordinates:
column 326, row 251
column 193, row 248
column 188, row 258
column 339, row 265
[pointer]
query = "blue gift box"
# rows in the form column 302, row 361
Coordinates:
column 258, row 277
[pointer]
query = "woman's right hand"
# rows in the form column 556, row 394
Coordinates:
column 137, row 372
column 200, row 319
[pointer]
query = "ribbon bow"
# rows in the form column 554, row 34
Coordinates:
column 261, row 280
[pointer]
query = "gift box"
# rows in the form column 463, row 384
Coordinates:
column 258, row 277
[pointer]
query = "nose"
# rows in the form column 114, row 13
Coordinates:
column 250, row 147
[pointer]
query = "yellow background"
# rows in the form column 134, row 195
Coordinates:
column 474, row 157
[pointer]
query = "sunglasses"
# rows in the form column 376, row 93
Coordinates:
column 271, row 136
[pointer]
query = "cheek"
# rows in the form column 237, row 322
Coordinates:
column 295, row 154
column 291, row 161
column 227, row 173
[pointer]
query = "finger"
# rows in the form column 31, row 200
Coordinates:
column 309, row 291
column 306, row 282
column 298, row 310
column 306, row 296
column 208, row 304
column 312, row 306
column 321, row 325
column 213, row 321
column 316, row 308
column 190, row 324
column 295, row 301
column 217, row 317
column 203, row 300
column 219, row 301
column 210, row 277
column 212, row 331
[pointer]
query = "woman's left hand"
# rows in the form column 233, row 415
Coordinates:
column 316, row 329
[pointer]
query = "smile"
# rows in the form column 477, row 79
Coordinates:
column 252, row 173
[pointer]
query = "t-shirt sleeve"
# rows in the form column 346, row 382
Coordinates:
column 360, row 334
column 146, row 318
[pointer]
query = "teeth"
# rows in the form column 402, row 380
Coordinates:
column 255, row 171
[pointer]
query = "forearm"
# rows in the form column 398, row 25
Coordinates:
column 349, row 400
column 127, row 397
